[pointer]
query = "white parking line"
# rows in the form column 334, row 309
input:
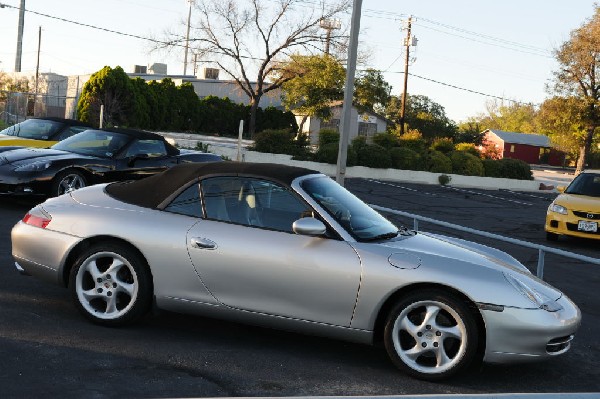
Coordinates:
column 452, row 188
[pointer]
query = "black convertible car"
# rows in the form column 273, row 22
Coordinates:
column 90, row 157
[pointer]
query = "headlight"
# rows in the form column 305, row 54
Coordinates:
column 536, row 297
column 34, row 167
column 557, row 208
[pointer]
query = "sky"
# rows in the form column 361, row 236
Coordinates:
column 468, row 53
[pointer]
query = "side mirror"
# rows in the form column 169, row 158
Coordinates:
column 561, row 189
column 131, row 160
column 309, row 227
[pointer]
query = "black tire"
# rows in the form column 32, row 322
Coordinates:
column 431, row 334
column 551, row 236
column 67, row 181
column 111, row 284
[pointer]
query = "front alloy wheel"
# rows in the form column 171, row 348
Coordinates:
column 431, row 335
column 68, row 181
column 111, row 285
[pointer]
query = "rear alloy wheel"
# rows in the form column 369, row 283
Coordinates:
column 111, row 285
column 431, row 335
column 67, row 181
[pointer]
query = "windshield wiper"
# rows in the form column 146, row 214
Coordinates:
column 384, row 236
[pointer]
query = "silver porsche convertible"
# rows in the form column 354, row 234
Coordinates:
column 289, row 248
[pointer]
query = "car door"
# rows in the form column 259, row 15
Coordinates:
column 247, row 256
column 143, row 158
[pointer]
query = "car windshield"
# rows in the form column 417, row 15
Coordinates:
column 94, row 142
column 38, row 129
column 360, row 220
column 585, row 184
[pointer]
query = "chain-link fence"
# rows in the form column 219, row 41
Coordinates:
column 18, row 106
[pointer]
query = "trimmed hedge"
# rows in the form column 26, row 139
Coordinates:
column 280, row 142
column 405, row 158
column 329, row 153
column 327, row 136
column 374, row 156
column 437, row 162
column 515, row 169
column 442, row 144
column 466, row 164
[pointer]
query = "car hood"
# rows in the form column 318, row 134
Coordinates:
column 21, row 141
column 35, row 154
column 424, row 244
column 446, row 260
column 579, row 202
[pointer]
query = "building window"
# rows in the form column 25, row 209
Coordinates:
column 512, row 148
column 367, row 129
column 331, row 124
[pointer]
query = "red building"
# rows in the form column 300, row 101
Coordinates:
column 531, row 148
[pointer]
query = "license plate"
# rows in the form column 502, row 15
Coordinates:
column 591, row 227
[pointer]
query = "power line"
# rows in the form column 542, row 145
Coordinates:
column 171, row 43
column 175, row 43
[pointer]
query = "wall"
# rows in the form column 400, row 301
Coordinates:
column 524, row 152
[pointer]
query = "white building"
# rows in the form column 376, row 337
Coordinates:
column 362, row 123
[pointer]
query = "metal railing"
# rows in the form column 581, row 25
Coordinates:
column 542, row 249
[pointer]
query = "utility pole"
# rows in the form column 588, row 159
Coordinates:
column 345, row 121
column 37, row 65
column 20, row 36
column 329, row 25
column 187, row 38
column 408, row 41
column 37, row 69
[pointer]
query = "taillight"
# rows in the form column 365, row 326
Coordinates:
column 36, row 217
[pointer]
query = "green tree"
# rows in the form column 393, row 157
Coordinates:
column 562, row 119
column 470, row 131
column 311, row 84
column 514, row 117
column 424, row 115
column 371, row 91
column 579, row 75
column 111, row 88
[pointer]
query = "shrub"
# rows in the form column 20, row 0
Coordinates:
column 468, row 147
column 373, row 156
column 327, row 136
column 492, row 168
column 466, row 164
column 386, row 140
column 438, row 163
column 275, row 142
column 405, row 158
column 515, row 169
column 358, row 143
column 442, row 144
column 328, row 153
column 507, row 168
column 413, row 139
column 444, row 179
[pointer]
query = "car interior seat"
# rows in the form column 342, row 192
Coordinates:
column 214, row 204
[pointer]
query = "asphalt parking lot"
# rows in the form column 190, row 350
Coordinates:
column 48, row 349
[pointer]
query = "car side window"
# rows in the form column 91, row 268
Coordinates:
column 151, row 148
column 187, row 202
column 70, row 131
column 252, row 202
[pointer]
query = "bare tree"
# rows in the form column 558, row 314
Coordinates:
column 245, row 37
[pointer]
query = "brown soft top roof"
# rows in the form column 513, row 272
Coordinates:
column 152, row 191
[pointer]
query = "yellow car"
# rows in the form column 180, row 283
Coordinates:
column 41, row 132
column 576, row 211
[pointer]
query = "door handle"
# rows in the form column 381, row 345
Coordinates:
column 203, row 243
